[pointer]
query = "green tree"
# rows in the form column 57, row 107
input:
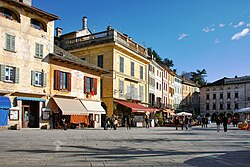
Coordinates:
column 199, row 76
column 168, row 62
column 153, row 53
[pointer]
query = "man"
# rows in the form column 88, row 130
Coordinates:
column 225, row 122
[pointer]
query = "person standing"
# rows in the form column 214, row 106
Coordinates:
column 203, row 121
column 186, row 123
column 225, row 122
column 206, row 121
column 217, row 121
column 64, row 124
column 128, row 122
column 176, row 122
column 147, row 122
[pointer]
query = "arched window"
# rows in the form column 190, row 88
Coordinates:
column 9, row 14
column 37, row 24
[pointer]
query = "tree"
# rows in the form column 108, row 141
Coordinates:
column 168, row 62
column 154, row 54
column 199, row 76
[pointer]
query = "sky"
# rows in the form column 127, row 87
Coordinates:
column 196, row 34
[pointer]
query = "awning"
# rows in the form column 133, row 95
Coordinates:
column 70, row 106
column 93, row 106
column 30, row 99
column 4, row 102
column 136, row 107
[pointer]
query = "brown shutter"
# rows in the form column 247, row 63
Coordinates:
column 69, row 81
column 84, row 84
column 56, row 80
column 95, row 85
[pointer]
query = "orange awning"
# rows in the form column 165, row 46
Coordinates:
column 135, row 107
column 77, row 119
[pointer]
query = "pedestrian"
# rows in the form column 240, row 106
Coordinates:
column 186, row 122
column 128, row 122
column 115, row 123
column 156, row 122
column 64, row 124
column 217, row 121
column 206, row 121
column 225, row 122
column 106, row 123
column 203, row 121
column 176, row 122
column 147, row 122
column 190, row 123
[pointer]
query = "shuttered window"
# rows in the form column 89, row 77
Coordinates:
column 132, row 69
column 141, row 93
column 90, row 85
column 39, row 50
column 38, row 78
column 121, row 88
column 121, row 64
column 10, row 42
column 62, row 80
column 9, row 74
column 141, row 72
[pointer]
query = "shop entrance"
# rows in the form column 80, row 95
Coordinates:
column 30, row 114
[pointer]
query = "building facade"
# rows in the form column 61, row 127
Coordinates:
column 225, row 95
column 27, row 35
column 178, row 91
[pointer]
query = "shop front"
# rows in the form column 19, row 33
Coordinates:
column 134, row 111
column 72, row 110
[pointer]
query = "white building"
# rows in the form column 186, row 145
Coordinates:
column 178, row 91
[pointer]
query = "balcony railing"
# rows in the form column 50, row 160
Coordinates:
column 105, row 36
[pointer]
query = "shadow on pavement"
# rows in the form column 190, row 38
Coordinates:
column 234, row 158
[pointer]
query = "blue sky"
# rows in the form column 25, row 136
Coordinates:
column 195, row 34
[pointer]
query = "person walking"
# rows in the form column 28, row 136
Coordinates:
column 128, row 122
column 176, row 122
column 206, row 121
column 64, row 124
column 203, row 121
column 217, row 121
column 147, row 122
column 186, row 123
column 225, row 122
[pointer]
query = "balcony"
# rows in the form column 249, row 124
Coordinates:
column 103, row 37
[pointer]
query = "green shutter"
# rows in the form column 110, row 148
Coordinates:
column 12, row 43
column 2, row 72
column 44, row 79
column 33, row 80
column 37, row 50
column 16, row 75
column 7, row 42
column 41, row 51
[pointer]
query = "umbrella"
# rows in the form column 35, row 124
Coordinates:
column 184, row 114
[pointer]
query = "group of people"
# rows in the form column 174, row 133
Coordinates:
column 111, row 123
column 185, row 121
column 221, row 120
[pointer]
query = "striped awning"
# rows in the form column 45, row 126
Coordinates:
column 30, row 99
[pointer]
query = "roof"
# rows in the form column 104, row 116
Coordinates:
column 62, row 55
column 32, row 9
column 228, row 81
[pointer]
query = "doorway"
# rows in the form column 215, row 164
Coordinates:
column 30, row 114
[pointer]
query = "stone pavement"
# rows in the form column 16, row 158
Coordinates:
column 160, row 146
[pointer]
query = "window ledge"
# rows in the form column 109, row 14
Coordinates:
column 40, row 86
column 38, row 57
column 8, row 81
column 10, row 50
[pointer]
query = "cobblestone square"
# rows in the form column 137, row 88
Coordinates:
column 160, row 146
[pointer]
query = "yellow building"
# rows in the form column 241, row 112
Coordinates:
column 124, row 58
column 27, row 37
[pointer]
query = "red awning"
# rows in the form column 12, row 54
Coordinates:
column 136, row 107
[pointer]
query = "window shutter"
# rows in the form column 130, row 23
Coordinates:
column 33, row 76
column 41, row 51
column 69, row 81
column 56, row 80
column 2, row 72
column 84, row 84
column 95, row 85
column 44, row 79
column 128, row 96
column 7, row 41
column 37, row 50
column 16, row 75
column 12, row 43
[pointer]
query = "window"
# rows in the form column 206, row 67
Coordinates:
column 39, row 50
column 141, row 93
column 62, row 80
column 90, row 85
column 121, row 64
column 14, row 114
column 207, row 97
column 9, row 14
column 100, row 61
column 157, row 85
column 229, row 95
column 38, row 78
column 141, row 72
column 82, row 58
column 221, row 95
column 121, row 88
column 236, row 106
column 228, row 106
column 10, row 43
column 221, row 106
column 236, row 95
column 37, row 24
column 214, row 96
column 9, row 74
column 132, row 69
column 207, row 106
column 214, row 106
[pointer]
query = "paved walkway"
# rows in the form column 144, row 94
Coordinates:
column 161, row 146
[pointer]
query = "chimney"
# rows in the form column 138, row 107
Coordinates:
column 58, row 31
column 27, row 2
column 84, row 23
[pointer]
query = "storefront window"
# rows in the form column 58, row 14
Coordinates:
column 14, row 115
